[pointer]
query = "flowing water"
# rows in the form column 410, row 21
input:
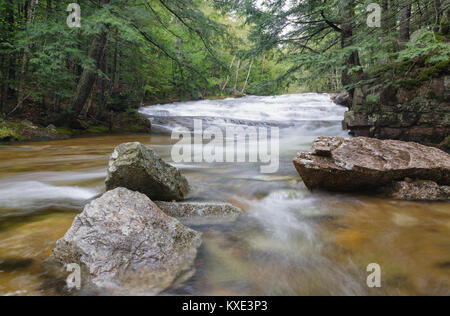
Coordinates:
column 288, row 242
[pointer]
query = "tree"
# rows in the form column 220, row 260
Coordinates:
column 6, row 56
column 89, row 75
column 437, row 10
column 347, row 15
column 25, row 59
column 405, row 21
column 445, row 23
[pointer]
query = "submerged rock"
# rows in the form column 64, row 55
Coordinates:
column 125, row 244
column 196, row 213
column 419, row 191
column 138, row 168
column 357, row 164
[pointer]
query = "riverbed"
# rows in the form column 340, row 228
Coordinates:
column 288, row 242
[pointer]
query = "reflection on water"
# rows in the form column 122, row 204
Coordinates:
column 289, row 242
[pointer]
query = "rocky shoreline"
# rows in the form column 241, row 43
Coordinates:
column 409, row 111
column 13, row 131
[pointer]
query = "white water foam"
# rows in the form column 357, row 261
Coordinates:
column 36, row 194
column 286, row 108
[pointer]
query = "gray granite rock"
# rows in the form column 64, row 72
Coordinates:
column 138, row 168
column 126, row 245
column 198, row 213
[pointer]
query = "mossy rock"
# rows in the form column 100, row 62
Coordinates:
column 26, row 131
column 8, row 134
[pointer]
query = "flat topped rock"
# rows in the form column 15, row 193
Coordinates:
column 339, row 164
column 126, row 245
column 386, row 155
column 201, row 213
column 191, row 209
column 138, row 168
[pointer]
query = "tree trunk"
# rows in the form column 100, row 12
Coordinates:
column 89, row 74
column 445, row 21
column 25, row 10
column 87, row 106
column 426, row 9
column 104, row 90
column 263, row 64
column 116, row 52
column 437, row 10
column 248, row 76
column 3, row 90
column 25, row 59
column 228, row 76
column 237, row 75
column 421, row 14
column 405, row 21
column 7, row 64
column 385, row 16
column 347, row 14
column 49, row 9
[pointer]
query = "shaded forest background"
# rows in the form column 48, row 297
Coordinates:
column 132, row 52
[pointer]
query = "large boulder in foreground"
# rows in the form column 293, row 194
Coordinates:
column 357, row 164
column 138, row 168
column 126, row 245
column 200, row 213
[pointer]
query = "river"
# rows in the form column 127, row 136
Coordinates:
column 288, row 242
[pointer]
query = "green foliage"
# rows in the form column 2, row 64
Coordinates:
column 435, row 70
column 157, row 50
column 123, row 100
column 167, row 50
column 310, row 35
column 373, row 99
column 422, row 60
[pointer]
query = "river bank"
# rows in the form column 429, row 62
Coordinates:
column 33, row 127
column 17, row 130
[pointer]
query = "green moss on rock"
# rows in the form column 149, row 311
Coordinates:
column 8, row 134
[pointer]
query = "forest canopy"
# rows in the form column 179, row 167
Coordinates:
column 132, row 52
column 331, row 43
